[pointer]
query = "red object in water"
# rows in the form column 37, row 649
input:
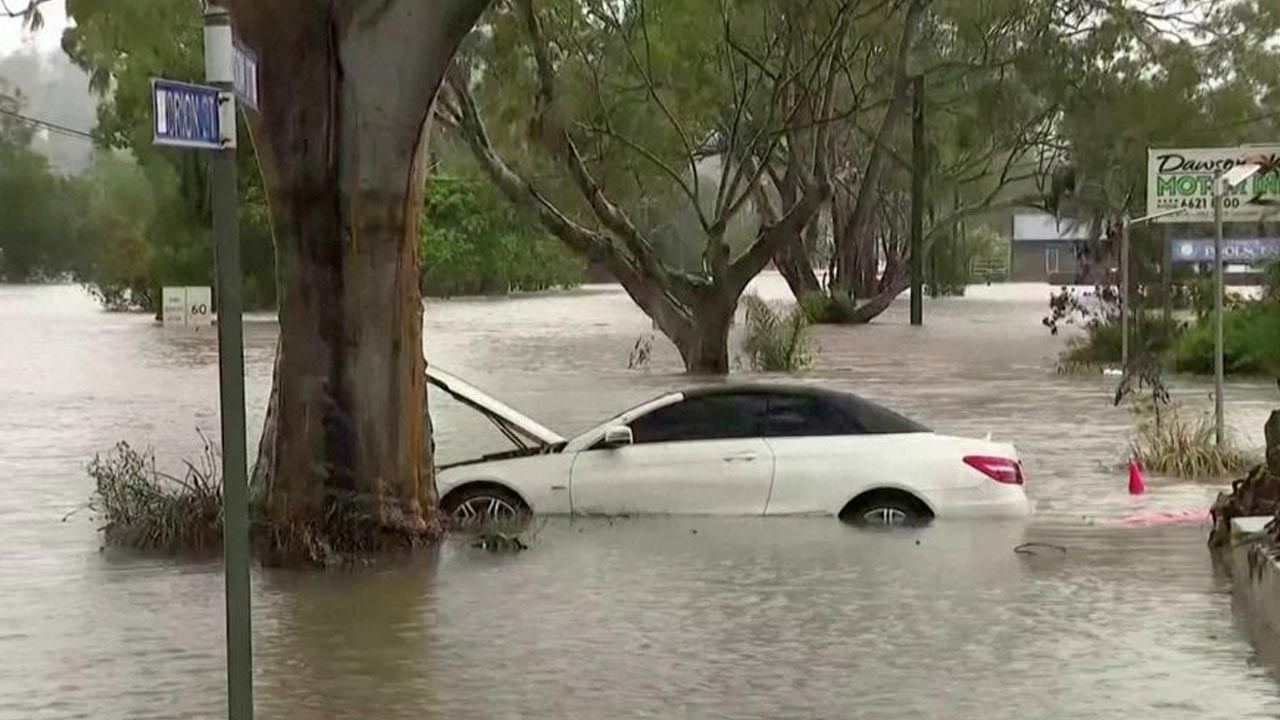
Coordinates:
column 1137, row 485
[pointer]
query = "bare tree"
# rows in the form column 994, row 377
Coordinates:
column 868, row 164
column 693, row 309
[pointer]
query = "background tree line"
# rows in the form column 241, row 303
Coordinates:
column 686, row 146
column 138, row 219
column 698, row 124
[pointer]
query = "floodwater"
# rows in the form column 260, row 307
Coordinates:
column 647, row 618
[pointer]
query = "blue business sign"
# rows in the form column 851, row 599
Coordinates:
column 188, row 115
column 1241, row 251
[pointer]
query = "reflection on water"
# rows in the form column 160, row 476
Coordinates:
column 646, row 618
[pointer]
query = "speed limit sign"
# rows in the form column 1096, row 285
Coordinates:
column 199, row 307
column 188, row 307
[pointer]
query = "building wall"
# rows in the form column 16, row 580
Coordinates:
column 1053, row 261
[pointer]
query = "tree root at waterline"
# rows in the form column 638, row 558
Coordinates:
column 349, row 532
column 1258, row 493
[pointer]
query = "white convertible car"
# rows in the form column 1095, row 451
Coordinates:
column 734, row 449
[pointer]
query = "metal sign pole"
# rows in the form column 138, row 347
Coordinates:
column 1219, row 429
column 219, row 72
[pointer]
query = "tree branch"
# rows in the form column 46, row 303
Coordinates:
column 771, row 237
column 871, row 176
column 647, row 154
column 556, row 137
column 31, row 17
column 645, row 70
column 518, row 189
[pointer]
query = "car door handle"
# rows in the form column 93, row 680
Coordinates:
column 742, row 457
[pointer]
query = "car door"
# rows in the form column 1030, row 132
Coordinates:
column 703, row 455
column 825, row 455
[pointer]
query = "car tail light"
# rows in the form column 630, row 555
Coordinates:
column 1002, row 470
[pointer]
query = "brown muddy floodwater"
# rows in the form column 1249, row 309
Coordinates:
column 744, row 618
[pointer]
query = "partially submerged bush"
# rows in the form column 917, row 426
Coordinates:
column 1101, row 343
column 828, row 308
column 1251, row 342
column 140, row 507
column 774, row 342
column 1169, row 442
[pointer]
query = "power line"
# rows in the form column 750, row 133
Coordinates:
column 46, row 125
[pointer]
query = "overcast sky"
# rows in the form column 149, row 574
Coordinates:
column 13, row 38
column 55, row 90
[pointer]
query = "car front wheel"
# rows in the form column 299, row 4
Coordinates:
column 484, row 504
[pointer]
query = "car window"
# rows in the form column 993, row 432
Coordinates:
column 873, row 419
column 807, row 416
column 704, row 417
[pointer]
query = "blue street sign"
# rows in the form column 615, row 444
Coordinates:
column 1239, row 251
column 245, row 71
column 187, row 115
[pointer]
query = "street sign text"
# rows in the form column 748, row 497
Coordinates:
column 188, row 115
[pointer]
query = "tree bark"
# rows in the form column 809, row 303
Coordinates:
column 344, row 461
column 793, row 257
column 702, row 337
column 792, row 261
column 856, row 244
column 881, row 301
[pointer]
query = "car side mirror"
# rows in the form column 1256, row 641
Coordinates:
column 618, row 436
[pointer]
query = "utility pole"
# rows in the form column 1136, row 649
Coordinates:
column 1166, row 279
column 919, row 167
column 219, row 72
column 1219, row 370
column 1124, row 292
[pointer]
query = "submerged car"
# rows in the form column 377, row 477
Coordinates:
column 733, row 449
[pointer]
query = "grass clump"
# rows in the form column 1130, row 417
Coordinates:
column 140, row 507
column 775, row 341
column 1170, row 442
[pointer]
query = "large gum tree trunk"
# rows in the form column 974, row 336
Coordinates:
column 346, row 88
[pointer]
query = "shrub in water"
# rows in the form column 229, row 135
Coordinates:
column 828, row 308
column 1251, row 339
column 774, row 342
column 137, row 506
column 1168, row 442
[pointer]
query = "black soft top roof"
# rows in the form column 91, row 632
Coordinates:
column 872, row 416
column 763, row 388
